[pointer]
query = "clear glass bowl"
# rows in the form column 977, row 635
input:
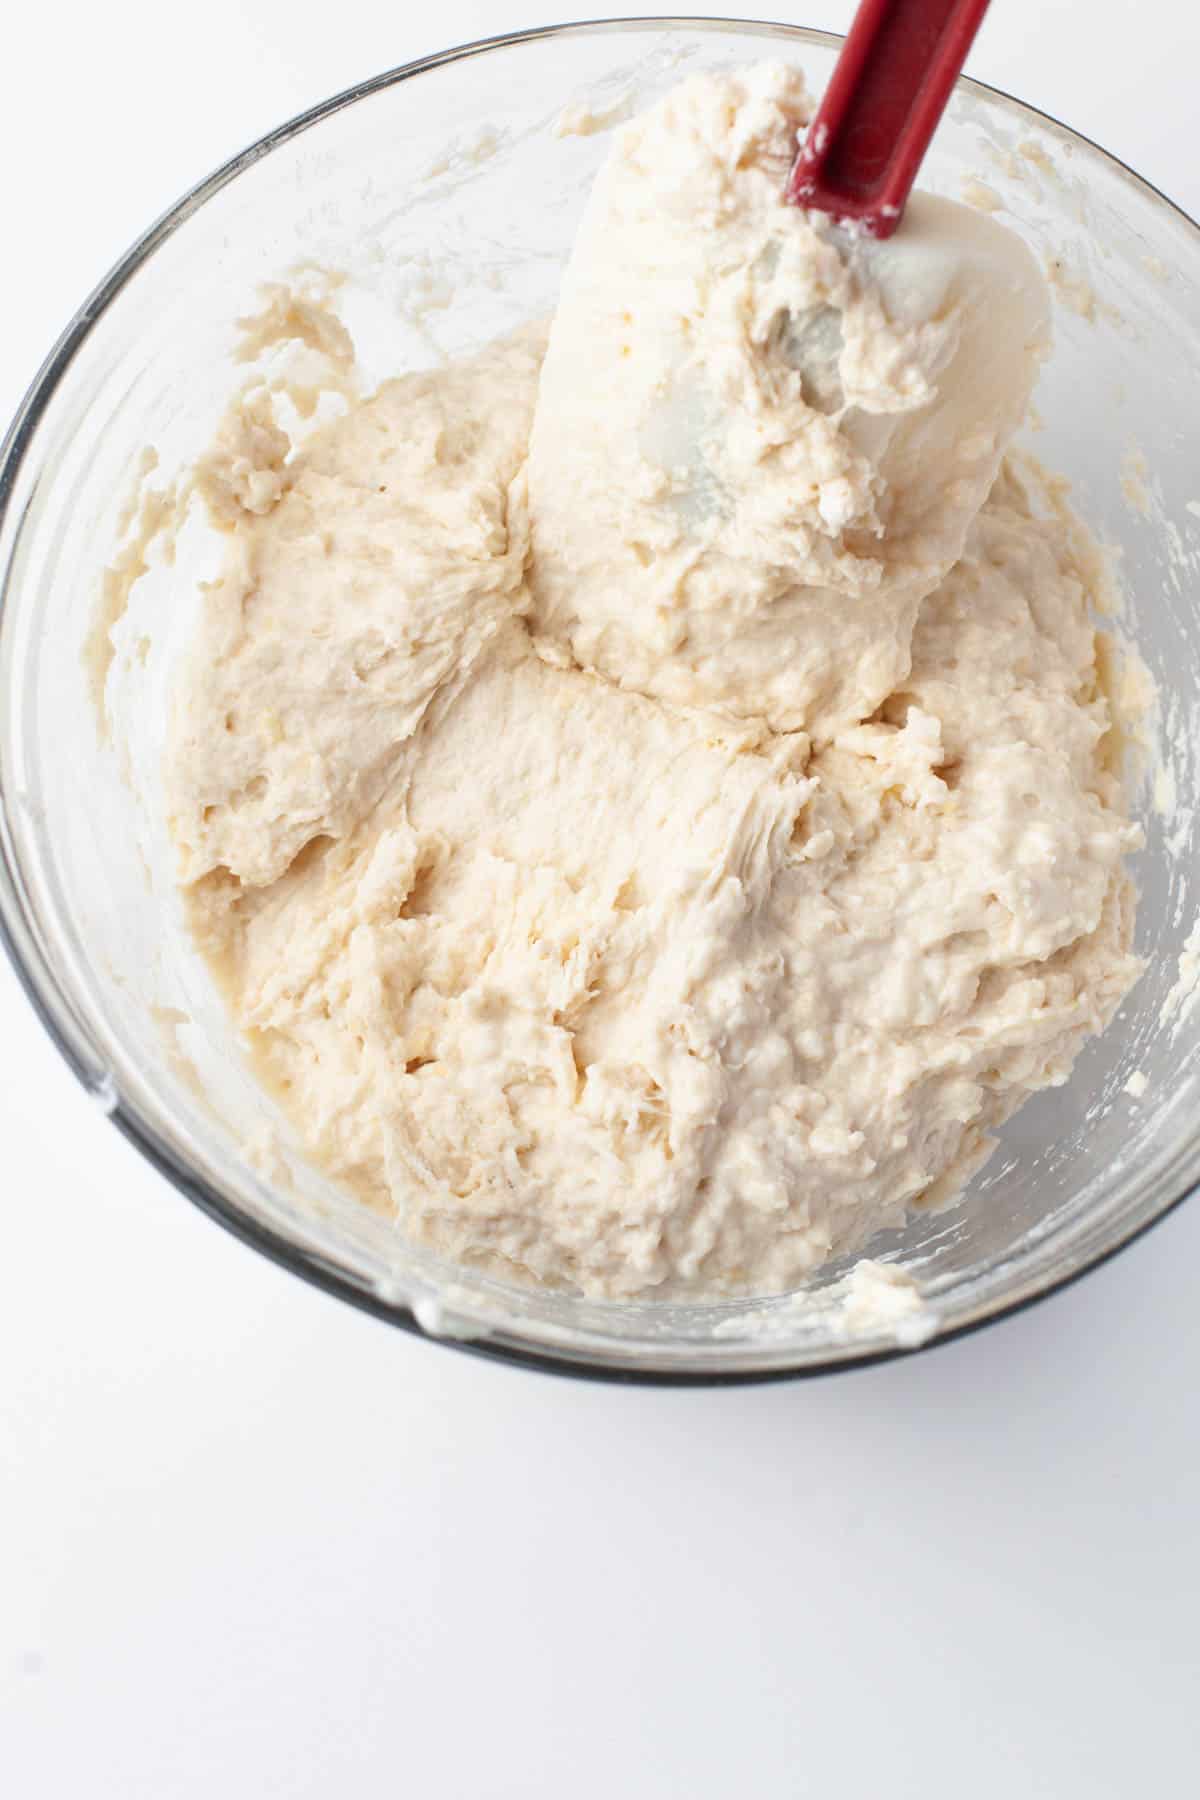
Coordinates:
column 443, row 193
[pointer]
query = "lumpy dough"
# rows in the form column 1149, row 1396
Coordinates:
column 758, row 445
column 637, row 882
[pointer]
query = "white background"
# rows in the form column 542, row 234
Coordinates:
column 254, row 1544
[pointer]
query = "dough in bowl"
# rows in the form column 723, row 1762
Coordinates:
column 652, row 801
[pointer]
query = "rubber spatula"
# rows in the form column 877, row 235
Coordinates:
column 893, row 79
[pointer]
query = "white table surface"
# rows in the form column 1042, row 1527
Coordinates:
column 255, row 1544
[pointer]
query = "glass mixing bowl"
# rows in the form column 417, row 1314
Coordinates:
column 443, row 193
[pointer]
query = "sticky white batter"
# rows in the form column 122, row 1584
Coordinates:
column 760, row 443
column 656, row 882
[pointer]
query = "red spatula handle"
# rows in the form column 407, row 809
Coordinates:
column 888, row 91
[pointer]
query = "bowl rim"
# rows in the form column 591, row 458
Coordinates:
column 55, row 1007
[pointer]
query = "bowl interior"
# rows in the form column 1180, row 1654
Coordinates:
column 448, row 202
